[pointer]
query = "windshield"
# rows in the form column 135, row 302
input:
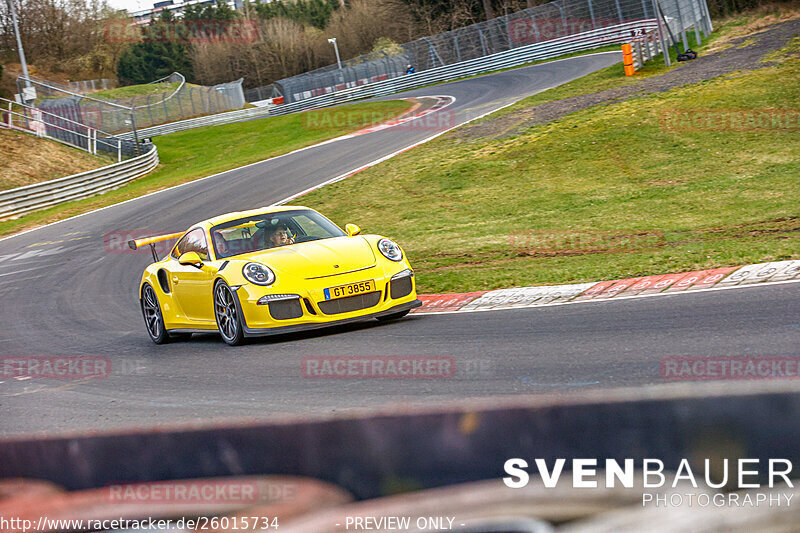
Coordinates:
column 271, row 230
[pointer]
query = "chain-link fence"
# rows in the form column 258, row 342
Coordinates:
column 555, row 20
column 178, row 101
column 41, row 123
column 81, row 86
column 261, row 93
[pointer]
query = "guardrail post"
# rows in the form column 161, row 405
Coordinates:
column 135, row 133
column 683, row 25
column 535, row 27
column 696, row 23
column 704, row 7
column 483, row 41
column 119, row 150
column 661, row 37
column 591, row 14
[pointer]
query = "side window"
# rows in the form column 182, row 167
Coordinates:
column 194, row 241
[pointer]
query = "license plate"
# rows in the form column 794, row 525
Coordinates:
column 351, row 289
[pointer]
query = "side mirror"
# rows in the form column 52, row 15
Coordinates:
column 352, row 229
column 191, row 258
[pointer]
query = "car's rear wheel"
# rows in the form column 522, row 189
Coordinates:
column 153, row 319
column 393, row 316
column 229, row 321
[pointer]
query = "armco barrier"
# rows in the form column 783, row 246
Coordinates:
column 209, row 120
column 510, row 58
column 22, row 200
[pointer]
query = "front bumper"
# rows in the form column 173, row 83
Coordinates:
column 279, row 330
column 304, row 304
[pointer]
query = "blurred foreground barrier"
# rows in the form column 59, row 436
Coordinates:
column 379, row 454
column 479, row 506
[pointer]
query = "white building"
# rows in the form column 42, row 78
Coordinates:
column 177, row 7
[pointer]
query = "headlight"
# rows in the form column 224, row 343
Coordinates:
column 390, row 250
column 258, row 274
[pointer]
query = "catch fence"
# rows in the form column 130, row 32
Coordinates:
column 178, row 101
column 555, row 21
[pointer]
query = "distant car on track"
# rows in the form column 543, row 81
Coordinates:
column 270, row 271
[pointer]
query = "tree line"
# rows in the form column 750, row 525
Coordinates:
column 71, row 36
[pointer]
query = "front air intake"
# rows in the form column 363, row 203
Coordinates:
column 285, row 309
column 350, row 303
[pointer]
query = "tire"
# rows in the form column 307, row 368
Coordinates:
column 227, row 315
column 393, row 316
column 153, row 319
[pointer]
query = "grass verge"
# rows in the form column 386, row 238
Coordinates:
column 608, row 192
column 26, row 159
column 192, row 154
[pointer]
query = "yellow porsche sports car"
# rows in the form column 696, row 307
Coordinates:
column 269, row 271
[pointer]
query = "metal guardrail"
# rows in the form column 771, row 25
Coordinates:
column 15, row 202
column 209, row 120
column 32, row 197
column 35, row 121
column 510, row 58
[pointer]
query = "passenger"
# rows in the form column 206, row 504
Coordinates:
column 220, row 245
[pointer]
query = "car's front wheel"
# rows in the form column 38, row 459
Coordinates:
column 229, row 321
column 153, row 319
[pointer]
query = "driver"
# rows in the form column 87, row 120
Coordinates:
column 280, row 236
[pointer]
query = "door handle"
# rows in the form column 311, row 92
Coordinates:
column 174, row 279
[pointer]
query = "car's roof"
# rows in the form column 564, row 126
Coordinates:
column 219, row 219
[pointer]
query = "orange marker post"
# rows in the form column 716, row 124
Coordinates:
column 627, row 59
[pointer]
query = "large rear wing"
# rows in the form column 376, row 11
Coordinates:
column 135, row 244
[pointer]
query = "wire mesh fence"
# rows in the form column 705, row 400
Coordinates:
column 555, row 20
column 177, row 101
column 81, row 86
column 52, row 126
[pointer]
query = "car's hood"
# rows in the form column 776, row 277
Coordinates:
column 315, row 259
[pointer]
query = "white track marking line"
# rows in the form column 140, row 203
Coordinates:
column 607, row 300
column 25, row 270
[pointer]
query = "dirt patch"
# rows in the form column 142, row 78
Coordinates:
column 732, row 59
column 26, row 159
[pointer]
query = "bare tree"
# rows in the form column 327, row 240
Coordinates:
column 64, row 36
column 487, row 9
column 365, row 21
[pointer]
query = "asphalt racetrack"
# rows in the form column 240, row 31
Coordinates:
column 63, row 293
